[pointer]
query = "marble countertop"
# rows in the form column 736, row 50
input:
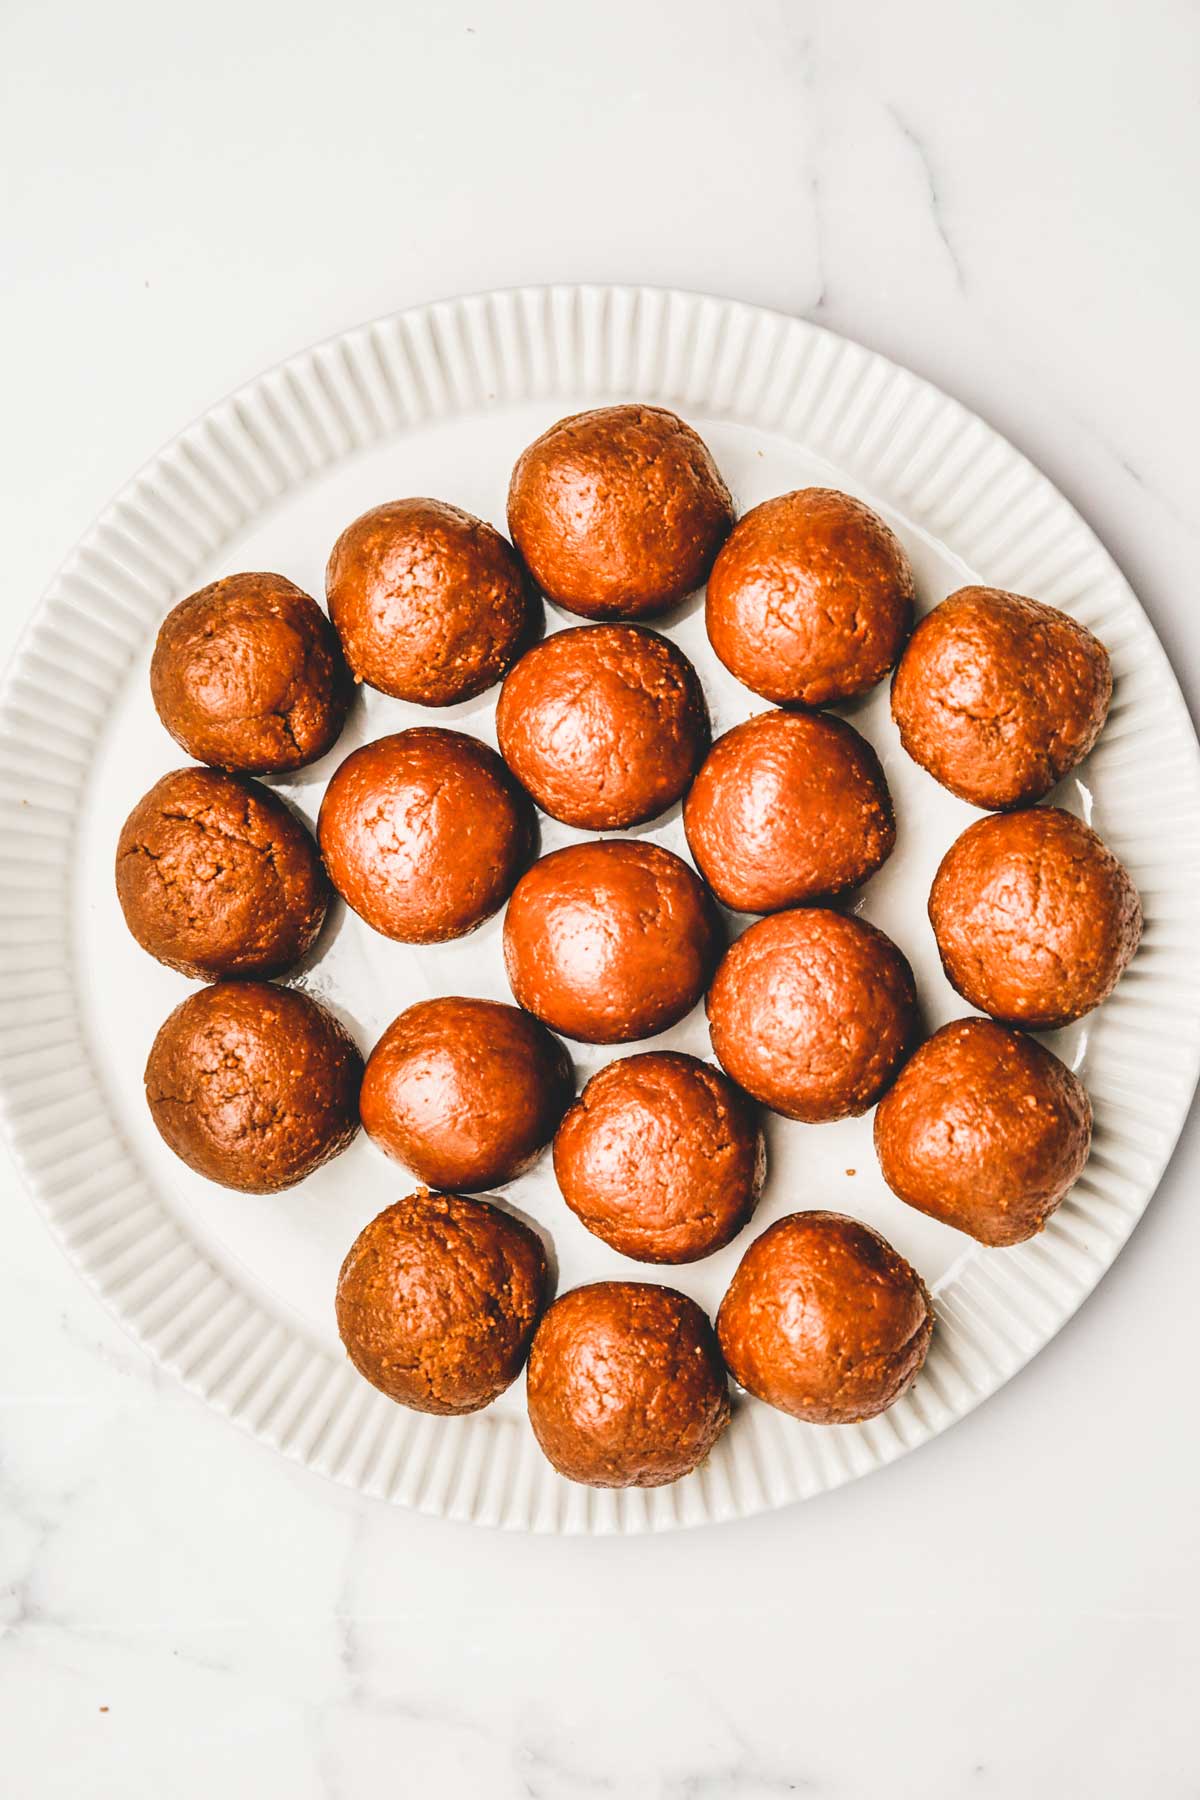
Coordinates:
column 1002, row 198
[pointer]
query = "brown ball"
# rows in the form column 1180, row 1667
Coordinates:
column 437, row 1301
column 610, row 941
column 1035, row 919
column 465, row 1093
column 605, row 726
column 626, row 1385
column 985, row 1130
column 811, row 598
column 253, row 1086
column 424, row 834
column 788, row 807
column 217, row 878
column 618, row 512
column 662, row 1157
column 824, row 1320
column 431, row 604
column 812, row 1013
column 999, row 696
column 248, row 674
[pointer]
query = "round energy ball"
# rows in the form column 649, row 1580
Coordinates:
column 626, row 1385
column 985, row 1130
column 437, row 1301
column 431, row 604
column 1035, row 919
column 465, row 1093
column 812, row 1013
column 604, row 725
column 787, row 808
column 248, row 674
column 662, row 1157
column 253, row 1086
column 811, row 598
column 619, row 512
column 217, row 878
column 610, row 941
column 824, row 1320
column 424, row 834
column 999, row 696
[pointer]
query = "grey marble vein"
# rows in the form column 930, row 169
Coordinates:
column 933, row 189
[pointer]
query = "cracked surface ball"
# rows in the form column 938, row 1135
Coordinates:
column 813, row 1012
column 253, row 1086
column 1035, row 919
column 431, row 604
column 626, row 1385
column 999, row 696
column 618, row 512
column 811, row 598
column 248, row 674
column 604, row 725
column 424, row 833
column 437, row 1301
column 824, row 1320
column 610, row 941
column 662, row 1157
column 216, row 877
column 984, row 1129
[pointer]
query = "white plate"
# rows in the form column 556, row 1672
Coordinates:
column 234, row 1292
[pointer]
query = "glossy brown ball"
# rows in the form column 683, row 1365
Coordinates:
column 605, row 725
column 787, row 808
column 610, row 941
column 248, row 674
column 618, row 512
column 1035, row 919
column 253, row 1086
column 662, row 1157
column 999, row 696
column 437, row 1301
column 811, row 598
column 985, row 1130
column 824, row 1320
column 626, row 1385
column 465, row 1093
column 217, row 878
column 424, row 834
column 812, row 1013
column 431, row 604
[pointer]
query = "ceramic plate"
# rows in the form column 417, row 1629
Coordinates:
column 234, row 1292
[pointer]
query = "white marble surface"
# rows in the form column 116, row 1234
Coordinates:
column 1002, row 197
